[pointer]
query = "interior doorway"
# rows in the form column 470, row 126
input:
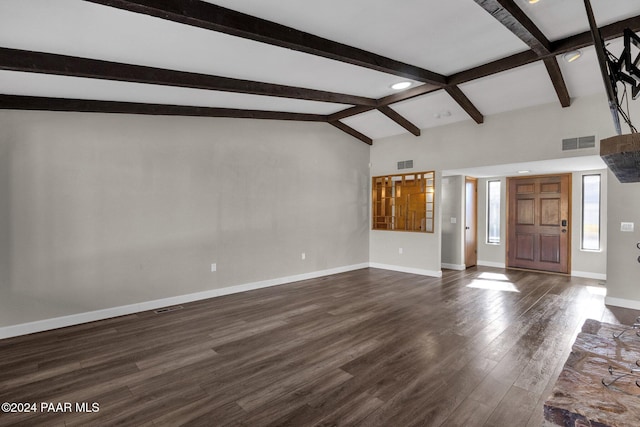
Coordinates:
column 471, row 222
column 538, row 227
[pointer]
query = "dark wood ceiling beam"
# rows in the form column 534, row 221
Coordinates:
column 353, row 111
column 559, row 47
column 558, row 80
column 513, row 18
column 387, row 100
column 452, row 90
column 494, row 67
column 49, row 63
column 417, row 91
column 212, row 17
column 351, row 131
column 407, row 94
column 399, row 119
column 35, row 103
column 465, row 103
column 608, row 32
column 17, row 102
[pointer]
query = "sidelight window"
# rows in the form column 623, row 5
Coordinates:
column 493, row 212
column 591, row 212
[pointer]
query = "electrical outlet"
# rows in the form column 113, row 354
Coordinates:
column 214, row 267
column 303, row 256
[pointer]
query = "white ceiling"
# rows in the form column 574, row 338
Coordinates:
column 445, row 37
column 521, row 87
column 441, row 36
column 558, row 19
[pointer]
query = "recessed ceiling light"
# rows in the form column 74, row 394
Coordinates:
column 533, row 1
column 572, row 56
column 400, row 85
column 524, row 171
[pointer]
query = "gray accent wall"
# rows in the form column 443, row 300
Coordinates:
column 623, row 268
column 100, row 210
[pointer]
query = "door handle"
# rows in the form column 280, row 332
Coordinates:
column 564, row 230
column 466, row 228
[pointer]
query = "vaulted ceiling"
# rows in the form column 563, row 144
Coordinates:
column 332, row 61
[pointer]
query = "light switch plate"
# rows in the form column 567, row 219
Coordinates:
column 626, row 226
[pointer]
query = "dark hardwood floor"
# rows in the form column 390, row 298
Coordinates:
column 480, row 347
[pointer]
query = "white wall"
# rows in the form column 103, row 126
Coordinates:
column 623, row 268
column 410, row 252
column 5, row 225
column 104, row 210
column 530, row 134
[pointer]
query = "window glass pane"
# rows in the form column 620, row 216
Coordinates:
column 591, row 212
column 493, row 212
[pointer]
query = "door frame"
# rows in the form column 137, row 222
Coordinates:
column 569, row 175
column 474, row 219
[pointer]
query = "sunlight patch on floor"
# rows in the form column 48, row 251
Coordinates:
column 597, row 290
column 493, row 276
column 493, row 285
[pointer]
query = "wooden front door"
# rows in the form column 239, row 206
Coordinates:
column 539, row 233
column 471, row 222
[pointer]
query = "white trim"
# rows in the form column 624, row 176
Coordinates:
column 624, row 303
column 492, row 264
column 411, row 270
column 589, row 275
column 92, row 316
column 459, row 267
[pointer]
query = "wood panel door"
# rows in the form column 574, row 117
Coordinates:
column 471, row 222
column 539, row 232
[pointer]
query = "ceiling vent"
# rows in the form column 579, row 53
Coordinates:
column 579, row 143
column 622, row 155
column 405, row 164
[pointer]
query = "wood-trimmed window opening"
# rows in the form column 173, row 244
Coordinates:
column 404, row 202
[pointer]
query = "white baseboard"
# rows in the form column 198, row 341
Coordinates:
column 459, row 267
column 492, row 264
column 431, row 273
column 589, row 275
column 624, row 303
column 92, row 316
